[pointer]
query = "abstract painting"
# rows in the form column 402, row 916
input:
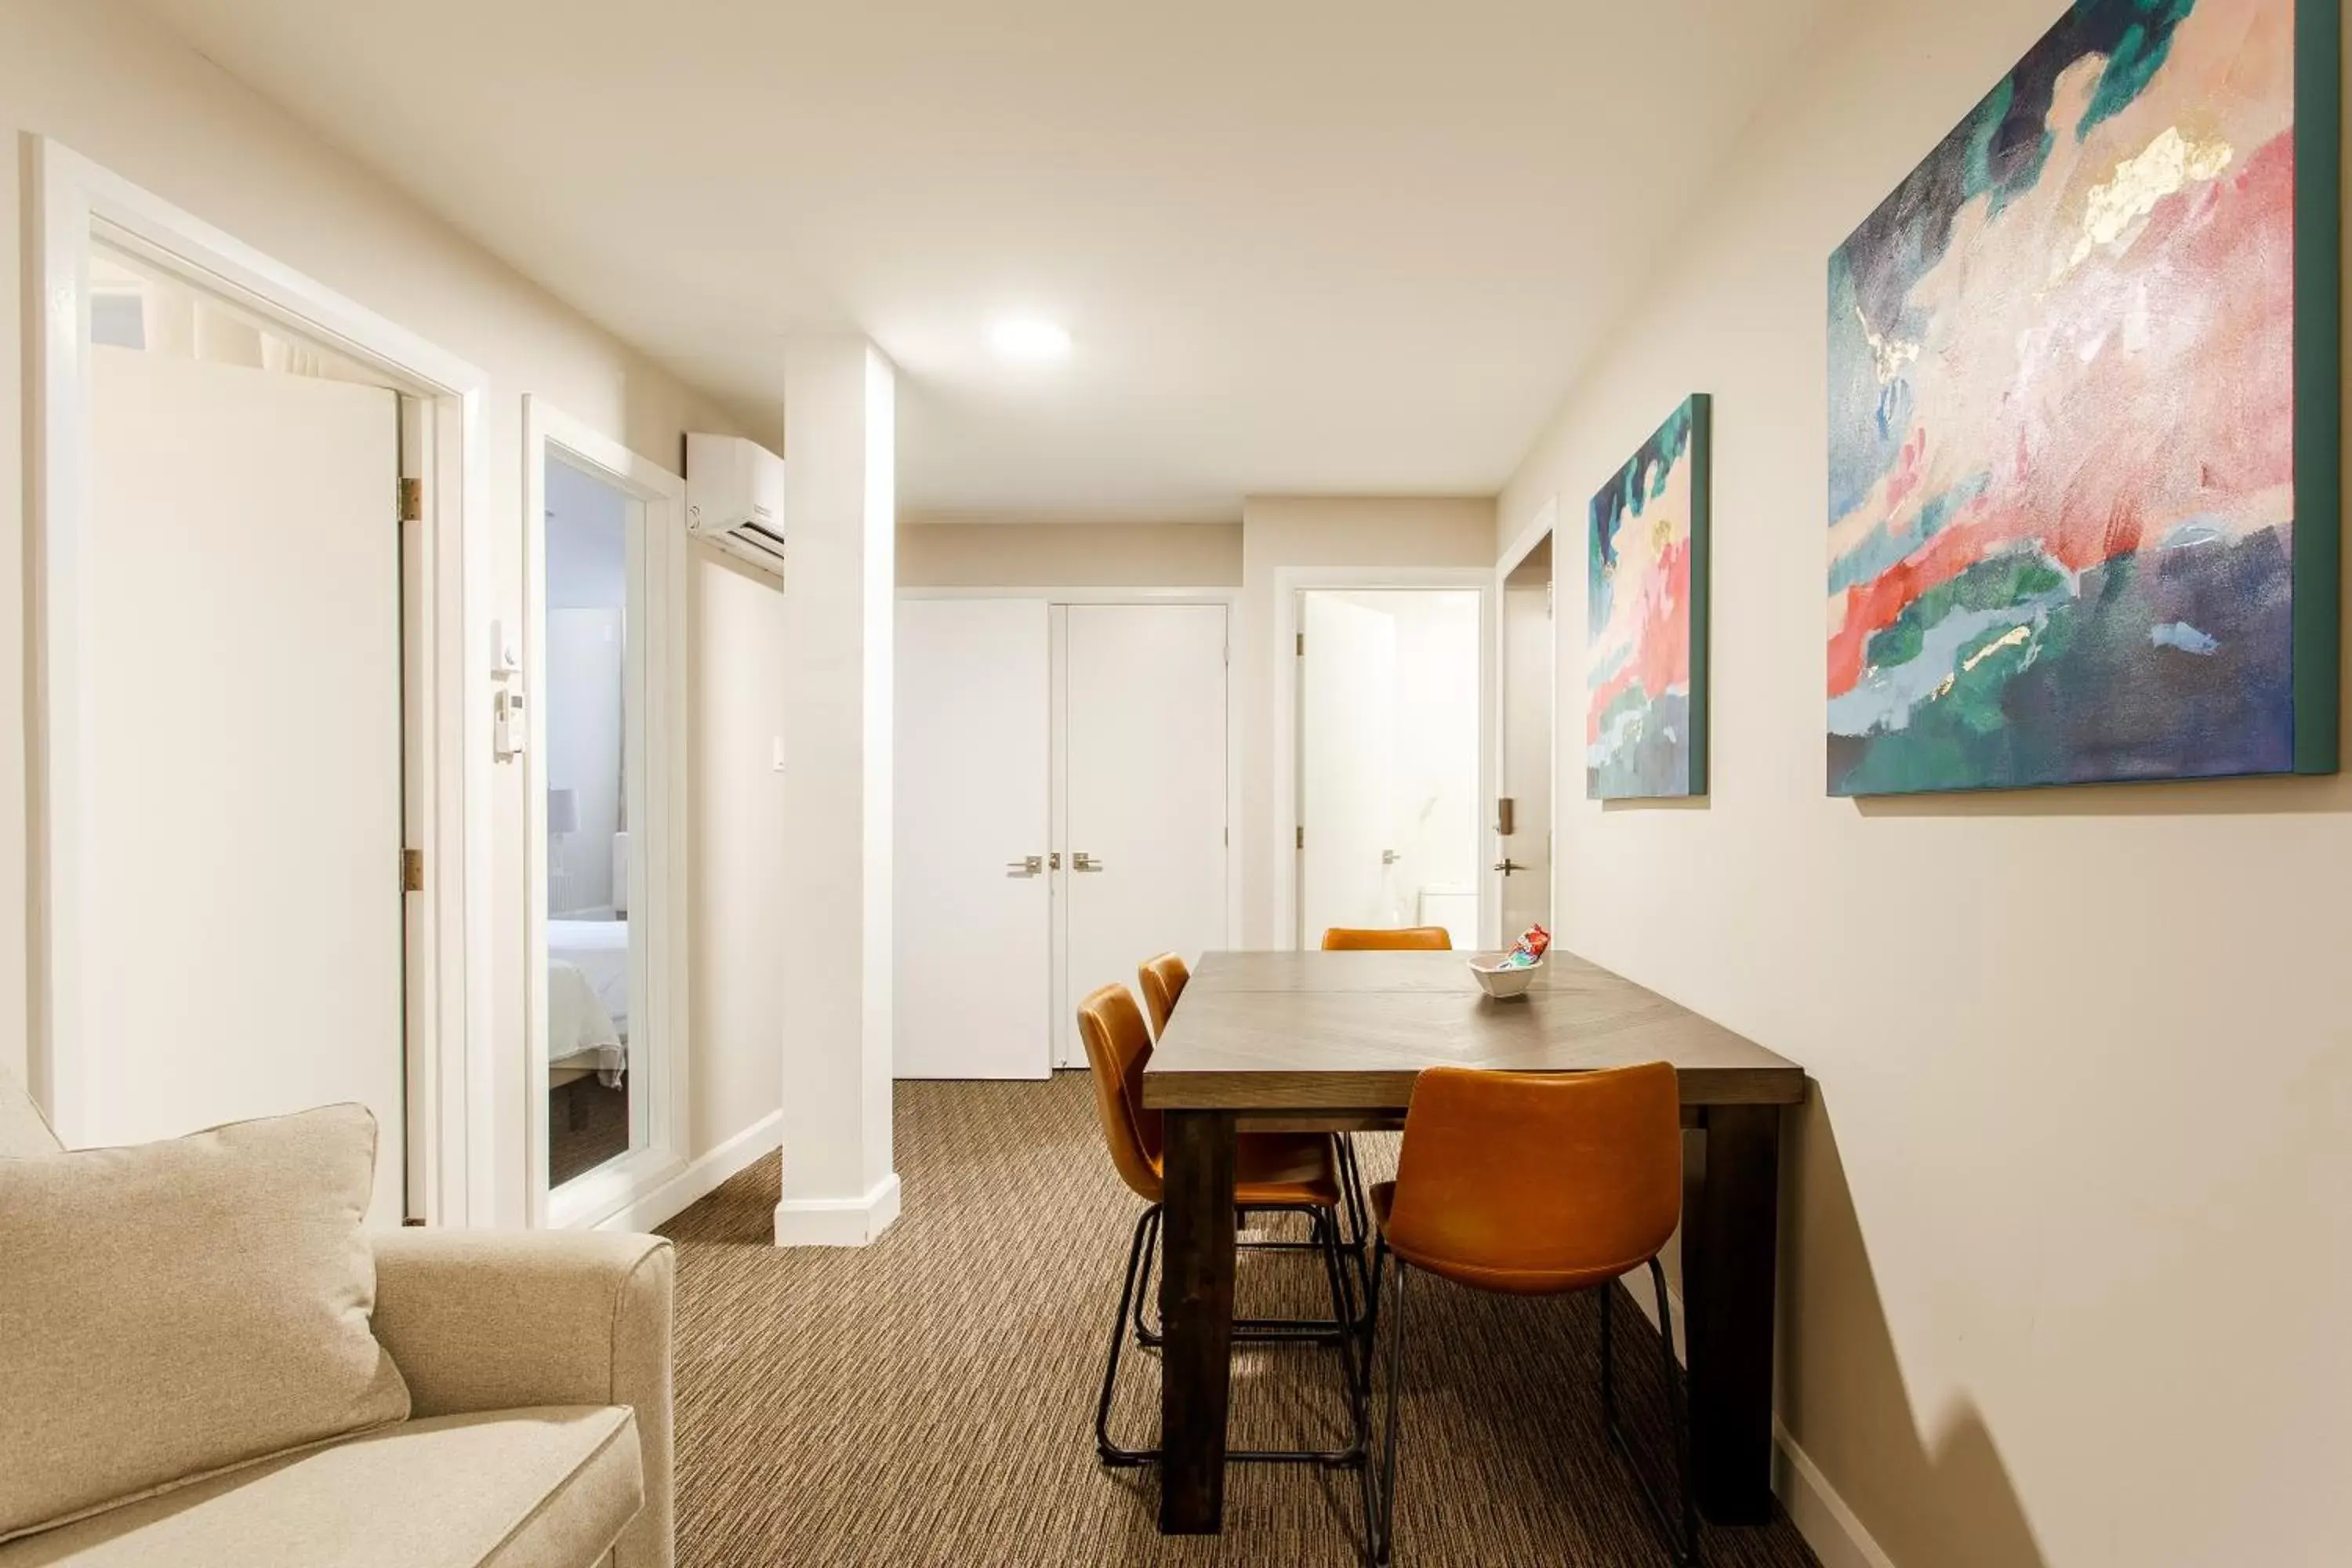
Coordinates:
column 1645, row 619
column 2082, row 467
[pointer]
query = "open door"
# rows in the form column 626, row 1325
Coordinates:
column 245, row 871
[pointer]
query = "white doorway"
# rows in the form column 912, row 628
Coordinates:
column 243, row 881
column 603, row 774
column 1523, row 810
column 1063, row 801
column 973, row 905
column 1390, row 726
column 276, row 319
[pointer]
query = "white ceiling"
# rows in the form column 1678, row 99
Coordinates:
column 1350, row 247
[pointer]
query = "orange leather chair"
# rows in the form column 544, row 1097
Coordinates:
column 1402, row 939
column 1272, row 1171
column 1536, row 1184
column 1161, row 980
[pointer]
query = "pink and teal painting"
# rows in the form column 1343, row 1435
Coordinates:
column 1646, row 618
column 2083, row 441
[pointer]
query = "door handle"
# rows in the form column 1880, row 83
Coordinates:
column 1507, row 865
column 1082, row 861
column 1029, row 866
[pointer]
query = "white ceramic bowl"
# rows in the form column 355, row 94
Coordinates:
column 1500, row 983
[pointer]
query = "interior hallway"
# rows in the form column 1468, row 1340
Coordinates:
column 926, row 1400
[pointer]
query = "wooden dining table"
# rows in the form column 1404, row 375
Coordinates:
column 1313, row 1041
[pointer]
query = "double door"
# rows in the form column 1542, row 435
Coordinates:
column 1061, row 813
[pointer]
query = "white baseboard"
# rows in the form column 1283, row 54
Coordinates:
column 700, row 1178
column 838, row 1222
column 1820, row 1516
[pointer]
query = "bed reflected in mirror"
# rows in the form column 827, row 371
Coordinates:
column 595, row 1114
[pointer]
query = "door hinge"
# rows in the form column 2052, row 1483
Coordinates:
column 1299, row 842
column 412, row 870
column 412, row 501
column 1302, row 644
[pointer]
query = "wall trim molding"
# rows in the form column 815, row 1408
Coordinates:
column 838, row 1222
column 1837, row 1537
column 1820, row 1516
column 700, row 1178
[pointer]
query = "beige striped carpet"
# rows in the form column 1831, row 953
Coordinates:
column 927, row 1400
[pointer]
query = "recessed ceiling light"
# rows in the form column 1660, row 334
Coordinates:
column 1028, row 337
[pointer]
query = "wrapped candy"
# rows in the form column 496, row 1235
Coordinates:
column 1528, row 951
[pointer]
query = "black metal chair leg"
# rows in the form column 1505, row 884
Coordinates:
column 1256, row 1331
column 1372, row 1309
column 1384, row 1540
column 1108, row 1451
column 1678, row 1420
column 1679, row 1523
column 1143, row 1287
column 1608, row 1355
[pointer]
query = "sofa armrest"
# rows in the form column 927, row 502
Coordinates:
column 482, row 1321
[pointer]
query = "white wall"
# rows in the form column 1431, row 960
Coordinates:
column 102, row 81
column 2065, row 1275
column 1070, row 555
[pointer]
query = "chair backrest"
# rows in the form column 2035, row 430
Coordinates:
column 1404, row 939
column 1161, row 980
column 1539, row 1181
column 1117, row 1047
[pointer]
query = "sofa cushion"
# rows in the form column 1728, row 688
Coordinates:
column 179, row 1308
column 544, row 1488
column 23, row 1129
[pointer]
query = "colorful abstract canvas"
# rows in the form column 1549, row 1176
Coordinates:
column 2082, row 437
column 1645, row 619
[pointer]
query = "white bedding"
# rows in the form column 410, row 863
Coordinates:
column 600, row 951
column 580, row 1033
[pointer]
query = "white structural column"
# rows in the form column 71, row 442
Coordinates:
column 841, row 522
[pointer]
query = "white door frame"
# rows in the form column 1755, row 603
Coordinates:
column 1545, row 524
column 1289, row 583
column 446, row 744
column 655, row 655
column 1066, row 1052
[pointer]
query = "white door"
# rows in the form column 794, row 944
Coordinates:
column 245, row 725
column 1389, row 728
column 1524, row 853
column 972, row 915
column 1145, row 749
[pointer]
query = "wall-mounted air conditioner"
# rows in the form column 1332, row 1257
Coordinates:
column 735, row 497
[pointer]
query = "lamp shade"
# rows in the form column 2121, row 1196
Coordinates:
column 564, row 811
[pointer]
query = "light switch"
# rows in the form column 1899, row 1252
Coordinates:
column 776, row 753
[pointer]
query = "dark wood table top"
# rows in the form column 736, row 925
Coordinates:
column 1332, row 1031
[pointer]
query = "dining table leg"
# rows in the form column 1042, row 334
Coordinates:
column 1196, row 1306
column 1729, row 1252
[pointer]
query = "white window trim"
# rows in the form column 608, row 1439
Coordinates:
column 658, row 819
column 76, row 204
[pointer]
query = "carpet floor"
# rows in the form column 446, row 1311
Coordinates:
column 929, row 1399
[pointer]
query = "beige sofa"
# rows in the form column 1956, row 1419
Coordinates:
column 538, row 1370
